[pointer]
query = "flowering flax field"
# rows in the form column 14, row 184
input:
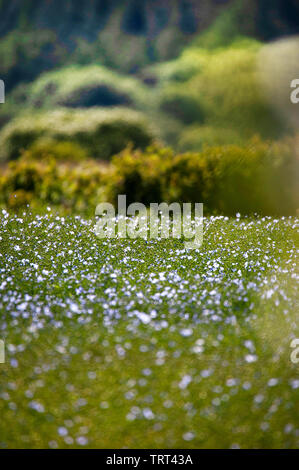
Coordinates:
column 144, row 344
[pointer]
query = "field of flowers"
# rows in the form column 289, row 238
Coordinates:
column 143, row 344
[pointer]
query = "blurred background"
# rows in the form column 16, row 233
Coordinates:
column 185, row 100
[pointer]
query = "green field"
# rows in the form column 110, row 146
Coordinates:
column 143, row 344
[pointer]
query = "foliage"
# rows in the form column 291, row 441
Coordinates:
column 44, row 149
column 101, row 133
column 195, row 138
column 229, row 25
column 255, row 177
column 39, row 183
column 219, row 88
column 87, row 86
column 25, row 54
column 182, row 106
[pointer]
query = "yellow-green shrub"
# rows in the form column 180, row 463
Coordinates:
column 102, row 133
column 84, row 87
column 222, row 90
column 255, row 177
column 61, row 151
column 139, row 175
column 194, row 138
column 69, row 186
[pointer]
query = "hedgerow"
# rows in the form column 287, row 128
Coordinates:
column 102, row 133
column 257, row 177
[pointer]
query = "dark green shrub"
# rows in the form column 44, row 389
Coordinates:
column 139, row 175
column 17, row 138
column 39, row 183
column 221, row 90
column 94, row 95
column 85, row 87
column 257, row 177
column 101, row 133
column 25, row 54
column 182, row 106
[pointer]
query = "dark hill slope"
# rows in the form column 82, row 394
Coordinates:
column 37, row 35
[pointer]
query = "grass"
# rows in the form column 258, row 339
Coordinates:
column 142, row 344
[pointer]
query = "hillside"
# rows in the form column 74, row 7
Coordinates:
column 125, row 34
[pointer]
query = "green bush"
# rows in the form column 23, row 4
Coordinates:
column 179, row 70
column 255, row 177
column 102, row 133
column 182, row 106
column 195, row 138
column 60, row 151
column 221, row 90
column 61, row 184
column 85, row 87
column 139, row 175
